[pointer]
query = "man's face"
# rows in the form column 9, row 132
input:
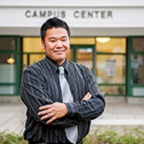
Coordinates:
column 57, row 44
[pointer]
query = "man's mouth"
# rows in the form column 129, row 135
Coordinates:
column 59, row 52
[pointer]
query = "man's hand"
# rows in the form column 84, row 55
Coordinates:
column 87, row 96
column 56, row 110
column 52, row 111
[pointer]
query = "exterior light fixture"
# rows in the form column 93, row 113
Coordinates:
column 103, row 39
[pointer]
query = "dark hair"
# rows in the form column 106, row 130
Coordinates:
column 53, row 22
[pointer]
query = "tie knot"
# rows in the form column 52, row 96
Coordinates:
column 61, row 70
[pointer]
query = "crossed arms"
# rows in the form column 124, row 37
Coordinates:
column 40, row 106
column 56, row 110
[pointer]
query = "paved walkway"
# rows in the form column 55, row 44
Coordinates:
column 12, row 116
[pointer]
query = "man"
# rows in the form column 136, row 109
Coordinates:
column 59, row 109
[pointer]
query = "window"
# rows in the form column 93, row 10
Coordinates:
column 32, row 50
column 9, row 66
column 111, row 66
column 138, row 44
column 82, row 51
column 136, row 69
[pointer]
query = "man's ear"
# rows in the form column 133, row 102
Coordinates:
column 43, row 44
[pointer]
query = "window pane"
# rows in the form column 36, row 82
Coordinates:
column 137, row 69
column 108, row 90
column 7, row 68
column 31, row 58
column 32, row 45
column 110, row 69
column 7, row 58
column 82, row 41
column 138, row 91
column 138, row 44
column 7, row 89
column 7, row 43
column 70, row 55
column 84, row 56
column 114, row 45
column 36, row 57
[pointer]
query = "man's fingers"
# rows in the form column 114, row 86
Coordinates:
column 45, row 112
column 49, row 115
column 51, row 120
column 53, row 111
column 45, row 107
column 87, row 96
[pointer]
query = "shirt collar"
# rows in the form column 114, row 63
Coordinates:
column 65, row 65
column 55, row 66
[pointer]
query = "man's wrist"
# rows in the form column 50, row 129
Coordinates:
column 70, row 109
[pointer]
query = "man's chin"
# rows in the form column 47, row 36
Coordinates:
column 60, row 57
column 60, row 60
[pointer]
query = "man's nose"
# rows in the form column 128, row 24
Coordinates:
column 59, row 44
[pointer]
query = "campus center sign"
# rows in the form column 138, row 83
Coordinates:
column 76, row 17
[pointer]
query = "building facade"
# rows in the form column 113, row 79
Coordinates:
column 107, row 36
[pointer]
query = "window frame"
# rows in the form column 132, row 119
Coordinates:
column 130, row 52
column 18, row 63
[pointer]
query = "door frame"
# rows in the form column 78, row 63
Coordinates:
column 74, row 47
column 130, row 52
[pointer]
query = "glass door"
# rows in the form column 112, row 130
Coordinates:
column 84, row 54
column 10, row 65
column 136, row 66
column 32, row 50
column 111, row 66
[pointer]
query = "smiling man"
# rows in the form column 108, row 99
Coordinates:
column 61, row 97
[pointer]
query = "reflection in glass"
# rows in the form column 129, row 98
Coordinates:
column 108, row 90
column 138, row 91
column 138, row 44
column 7, row 71
column 29, row 59
column 69, row 56
column 103, row 39
column 110, row 69
column 7, row 43
column 10, row 60
column 32, row 44
column 5, row 57
column 115, row 45
column 7, row 89
column 137, row 69
column 84, row 57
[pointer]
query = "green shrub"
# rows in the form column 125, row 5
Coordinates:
column 11, row 138
column 136, row 136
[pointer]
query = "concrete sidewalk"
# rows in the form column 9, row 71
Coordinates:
column 115, row 114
